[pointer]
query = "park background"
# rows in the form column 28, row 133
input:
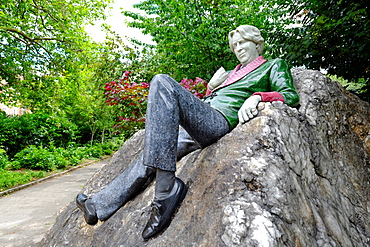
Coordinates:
column 80, row 70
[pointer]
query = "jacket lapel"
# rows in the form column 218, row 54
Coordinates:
column 238, row 73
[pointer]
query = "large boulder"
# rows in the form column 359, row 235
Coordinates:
column 289, row 177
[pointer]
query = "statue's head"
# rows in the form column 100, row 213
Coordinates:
column 246, row 42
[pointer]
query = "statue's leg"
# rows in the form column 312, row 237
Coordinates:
column 170, row 105
column 133, row 180
column 128, row 184
column 205, row 124
column 185, row 144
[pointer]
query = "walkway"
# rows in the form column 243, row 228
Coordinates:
column 26, row 215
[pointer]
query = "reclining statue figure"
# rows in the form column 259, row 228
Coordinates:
column 232, row 98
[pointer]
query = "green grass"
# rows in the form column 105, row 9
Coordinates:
column 9, row 179
column 34, row 162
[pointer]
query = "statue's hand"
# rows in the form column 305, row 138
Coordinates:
column 249, row 109
column 219, row 77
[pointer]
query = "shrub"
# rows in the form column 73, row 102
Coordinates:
column 130, row 97
column 19, row 132
column 39, row 158
column 48, row 159
column 4, row 161
column 53, row 158
column 197, row 87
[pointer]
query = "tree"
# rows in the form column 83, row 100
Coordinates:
column 330, row 35
column 191, row 35
column 53, row 66
column 80, row 92
column 39, row 37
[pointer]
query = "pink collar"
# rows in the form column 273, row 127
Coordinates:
column 238, row 73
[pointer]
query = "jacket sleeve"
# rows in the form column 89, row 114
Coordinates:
column 270, row 96
column 281, row 81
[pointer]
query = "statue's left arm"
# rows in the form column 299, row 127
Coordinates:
column 281, row 85
column 281, row 89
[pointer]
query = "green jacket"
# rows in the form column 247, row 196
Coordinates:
column 271, row 76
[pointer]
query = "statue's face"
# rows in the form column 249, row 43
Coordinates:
column 245, row 50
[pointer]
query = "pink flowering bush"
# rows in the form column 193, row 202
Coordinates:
column 198, row 86
column 131, row 98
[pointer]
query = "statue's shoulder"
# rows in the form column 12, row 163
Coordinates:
column 276, row 60
column 277, row 63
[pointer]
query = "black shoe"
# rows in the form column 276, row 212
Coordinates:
column 88, row 208
column 163, row 210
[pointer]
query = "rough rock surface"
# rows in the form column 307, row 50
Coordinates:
column 289, row 177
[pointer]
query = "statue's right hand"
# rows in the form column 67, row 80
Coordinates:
column 219, row 77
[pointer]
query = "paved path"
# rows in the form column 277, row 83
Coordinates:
column 26, row 215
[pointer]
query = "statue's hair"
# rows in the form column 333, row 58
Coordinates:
column 248, row 33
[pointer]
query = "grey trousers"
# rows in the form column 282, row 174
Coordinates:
column 133, row 180
column 169, row 105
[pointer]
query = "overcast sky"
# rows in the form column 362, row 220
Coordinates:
column 117, row 21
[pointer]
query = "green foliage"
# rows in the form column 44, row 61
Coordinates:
column 50, row 65
column 43, row 160
column 38, row 37
column 359, row 88
column 18, row 132
column 52, row 158
column 36, row 158
column 191, row 36
column 4, row 162
column 332, row 35
column 76, row 94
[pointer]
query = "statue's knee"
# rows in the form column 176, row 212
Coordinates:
column 159, row 78
column 162, row 80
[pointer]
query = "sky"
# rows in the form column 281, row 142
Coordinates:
column 117, row 21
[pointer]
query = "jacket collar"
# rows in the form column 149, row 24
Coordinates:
column 238, row 73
